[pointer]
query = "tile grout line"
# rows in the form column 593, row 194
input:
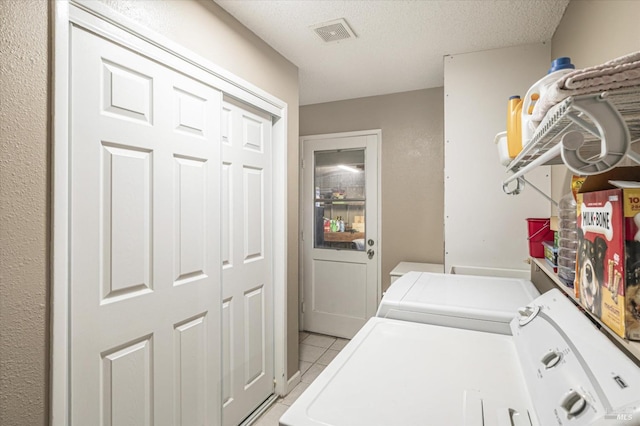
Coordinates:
column 280, row 400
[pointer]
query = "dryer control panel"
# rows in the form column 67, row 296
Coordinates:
column 575, row 374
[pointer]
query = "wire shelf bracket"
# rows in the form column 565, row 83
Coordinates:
column 590, row 134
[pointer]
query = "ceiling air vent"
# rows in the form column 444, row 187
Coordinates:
column 334, row 31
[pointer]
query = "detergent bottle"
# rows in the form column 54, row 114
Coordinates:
column 514, row 134
column 559, row 67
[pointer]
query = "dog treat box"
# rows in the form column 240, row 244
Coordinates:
column 608, row 255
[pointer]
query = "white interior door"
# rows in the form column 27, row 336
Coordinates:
column 247, row 300
column 144, row 241
column 340, row 232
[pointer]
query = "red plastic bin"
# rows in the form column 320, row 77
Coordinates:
column 539, row 231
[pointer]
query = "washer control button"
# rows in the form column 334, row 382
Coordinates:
column 551, row 359
column 573, row 403
column 527, row 314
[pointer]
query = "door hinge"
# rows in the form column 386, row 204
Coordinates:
column 302, row 235
column 302, row 163
column 302, row 307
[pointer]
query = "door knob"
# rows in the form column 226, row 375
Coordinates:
column 370, row 253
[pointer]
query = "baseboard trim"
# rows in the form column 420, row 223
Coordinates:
column 293, row 382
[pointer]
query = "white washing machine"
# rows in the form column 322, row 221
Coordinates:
column 461, row 301
column 556, row 369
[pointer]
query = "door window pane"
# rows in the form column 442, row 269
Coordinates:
column 339, row 200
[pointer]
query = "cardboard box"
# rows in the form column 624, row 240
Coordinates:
column 358, row 223
column 608, row 260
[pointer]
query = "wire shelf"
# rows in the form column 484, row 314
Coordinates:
column 589, row 133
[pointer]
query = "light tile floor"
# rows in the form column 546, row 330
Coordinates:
column 316, row 352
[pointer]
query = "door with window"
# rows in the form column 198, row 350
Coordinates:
column 340, row 232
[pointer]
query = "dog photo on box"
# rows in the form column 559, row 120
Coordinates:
column 608, row 257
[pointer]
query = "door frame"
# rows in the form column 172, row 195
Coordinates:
column 106, row 22
column 301, row 271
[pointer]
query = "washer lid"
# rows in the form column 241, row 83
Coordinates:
column 404, row 267
column 403, row 373
column 468, row 296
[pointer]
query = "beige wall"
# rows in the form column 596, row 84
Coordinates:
column 412, row 166
column 200, row 26
column 24, row 235
column 593, row 32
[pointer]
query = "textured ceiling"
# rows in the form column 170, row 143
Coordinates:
column 400, row 44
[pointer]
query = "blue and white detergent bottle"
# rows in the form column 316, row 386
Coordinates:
column 559, row 67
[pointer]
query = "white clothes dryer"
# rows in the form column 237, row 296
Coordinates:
column 462, row 301
column 556, row 369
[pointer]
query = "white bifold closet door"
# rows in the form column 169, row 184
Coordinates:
column 145, row 241
column 247, row 295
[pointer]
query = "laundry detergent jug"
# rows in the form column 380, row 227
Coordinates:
column 514, row 133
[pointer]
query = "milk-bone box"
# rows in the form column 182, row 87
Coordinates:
column 608, row 255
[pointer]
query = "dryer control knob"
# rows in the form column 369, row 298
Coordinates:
column 551, row 359
column 573, row 403
column 527, row 314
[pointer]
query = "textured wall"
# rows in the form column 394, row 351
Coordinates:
column 23, row 213
column 412, row 167
column 593, row 32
